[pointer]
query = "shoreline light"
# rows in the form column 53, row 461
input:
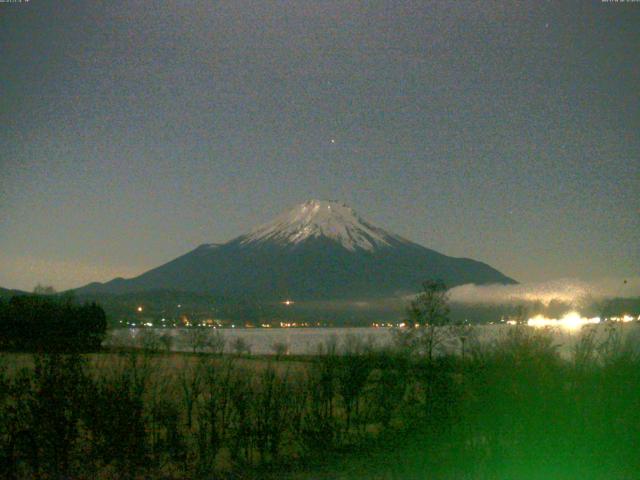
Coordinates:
column 570, row 321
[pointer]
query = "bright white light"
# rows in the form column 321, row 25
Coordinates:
column 624, row 319
column 570, row 321
column 139, row 309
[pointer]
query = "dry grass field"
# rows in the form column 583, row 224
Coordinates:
column 516, row 409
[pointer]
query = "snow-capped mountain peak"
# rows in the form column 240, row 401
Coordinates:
column 318, row 250
column 320, row 218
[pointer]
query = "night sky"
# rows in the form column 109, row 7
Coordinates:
column 502, row 131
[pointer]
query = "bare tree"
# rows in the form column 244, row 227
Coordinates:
column 190, row 378
column 464, row 334
column 352, row 374
column 214, row 411
column 427, row 314
column 216, row 342
column 241, row 423
column 280, row 349
column 521, row 315
column 40, row 289
column 149, row 340
column 270, row 412
column 196, row 338
column 319, row 421
column 166, row 339
column 240, row 346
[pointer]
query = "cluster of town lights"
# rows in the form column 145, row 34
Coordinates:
column 570, row 321
column 573, row 321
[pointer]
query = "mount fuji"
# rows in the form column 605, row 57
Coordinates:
column 319, row 250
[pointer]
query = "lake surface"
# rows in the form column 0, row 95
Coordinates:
column 301, row 341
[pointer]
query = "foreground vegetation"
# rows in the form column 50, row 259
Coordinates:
column 513, row 409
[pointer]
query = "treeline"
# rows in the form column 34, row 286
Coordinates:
column 50, row 323
column 512, row 409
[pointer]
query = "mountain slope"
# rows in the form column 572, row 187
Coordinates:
column 8, row 293
column 318, row 250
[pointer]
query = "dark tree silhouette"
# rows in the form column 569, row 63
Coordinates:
column 49, row 323
column 427, row 314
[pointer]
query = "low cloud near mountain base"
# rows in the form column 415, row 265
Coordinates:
column 569, row 291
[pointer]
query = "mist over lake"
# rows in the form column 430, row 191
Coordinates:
column 306, row 341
